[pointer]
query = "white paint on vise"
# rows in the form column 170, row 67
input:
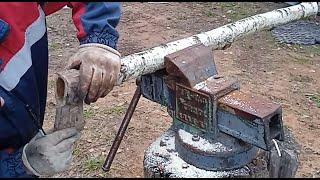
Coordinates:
column 202, row 144
column 203, row 85
column 171, row 163
column 151, row 60
column 200, row 85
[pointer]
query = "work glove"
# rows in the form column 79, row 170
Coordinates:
column 46, row 155
column 99, row 67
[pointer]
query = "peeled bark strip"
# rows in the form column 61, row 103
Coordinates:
column 69, row 110
column 151, row 60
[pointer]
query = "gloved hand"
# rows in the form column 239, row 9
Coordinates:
column 99, row 70
column 50, row 154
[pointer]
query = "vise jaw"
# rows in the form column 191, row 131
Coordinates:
column 212, row 108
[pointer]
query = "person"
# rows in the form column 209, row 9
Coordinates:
column 24, row 151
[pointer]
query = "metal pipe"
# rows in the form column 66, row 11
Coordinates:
column 122, row 129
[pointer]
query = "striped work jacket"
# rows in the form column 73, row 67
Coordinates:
column 24, row 58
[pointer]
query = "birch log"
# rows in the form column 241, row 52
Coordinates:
column 151, row 60
column 69, row 108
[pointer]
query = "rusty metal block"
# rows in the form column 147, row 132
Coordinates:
column 191, row 65
column 218, row 86
column 251, row 118
column 248, row 106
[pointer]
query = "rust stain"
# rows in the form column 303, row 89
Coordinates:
column 248, row 106
column 191, row 65
column 218, row 86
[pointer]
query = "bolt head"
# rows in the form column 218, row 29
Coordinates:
column 196, row 137
column 166, row 138
column 163, row 143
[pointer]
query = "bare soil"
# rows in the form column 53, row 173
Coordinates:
column 286, row 74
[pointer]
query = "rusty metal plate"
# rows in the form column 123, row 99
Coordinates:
column 218, row 86
column 248, row 106
column 191, row 65
column 193, row 107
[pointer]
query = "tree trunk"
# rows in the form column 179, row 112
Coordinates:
column 151, row 60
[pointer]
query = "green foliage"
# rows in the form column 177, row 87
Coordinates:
column 235, row 11
column 93, row 164
column 54, row 46
column 118, row 110
column 315, row 98
column 88, row 113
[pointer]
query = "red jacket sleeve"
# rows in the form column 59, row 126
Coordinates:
column 95, row 21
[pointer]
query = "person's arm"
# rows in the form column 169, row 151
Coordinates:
column 97, row 57
column 96, row 22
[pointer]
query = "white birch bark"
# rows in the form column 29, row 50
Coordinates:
column 151, row 60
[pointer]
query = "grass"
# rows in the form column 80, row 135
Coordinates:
column 209, row 13
column 306, row 50
column 302, row 61
column 236, row 10
column 269, row 38
column 88, row 112
column 54, row 46
column 118, row 110
column 93, row 164
column 75, row 152
column 302, row 57
column 300, row 54
column 227, row 5
column 315, row 98
column 313, row 49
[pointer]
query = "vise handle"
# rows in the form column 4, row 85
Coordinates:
column 123, row 127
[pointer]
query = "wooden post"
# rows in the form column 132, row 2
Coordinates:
column 285, row 166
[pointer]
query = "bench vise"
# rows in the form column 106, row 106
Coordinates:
column 215, row 126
